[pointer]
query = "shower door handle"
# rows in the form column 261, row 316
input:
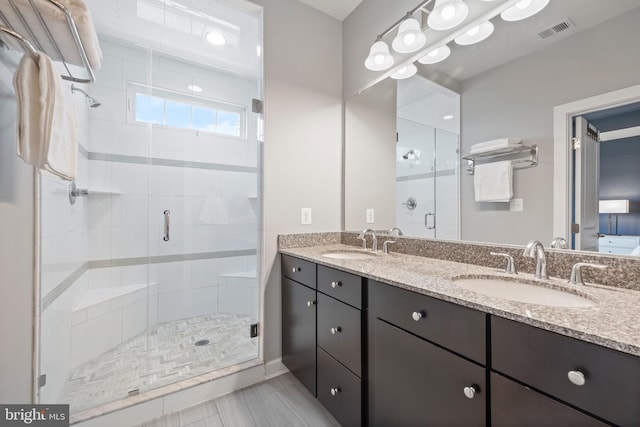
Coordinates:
column 426, row 221
column 167, row 218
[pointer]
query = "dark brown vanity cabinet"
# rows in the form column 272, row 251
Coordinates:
column 593, row 379
column 322, row 335
column 415, row 378
column 299, row 320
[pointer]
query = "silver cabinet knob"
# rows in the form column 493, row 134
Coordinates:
column 576, row 377
column 336, row 330
column 310, row 303
column 470, row 392
column 335, row 391
column 336, row 284
column 417, row 315
column 295, row 269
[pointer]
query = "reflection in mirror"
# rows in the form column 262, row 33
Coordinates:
column 508, row 89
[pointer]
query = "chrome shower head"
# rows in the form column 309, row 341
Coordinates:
column 409, row 154
column 93, row 103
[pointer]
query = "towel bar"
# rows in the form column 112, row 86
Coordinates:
column 531, row 151
column 28, row 44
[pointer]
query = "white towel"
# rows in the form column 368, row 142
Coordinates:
column 47, row 125
column 57, row 25
column 496, row 144
column 493, row 182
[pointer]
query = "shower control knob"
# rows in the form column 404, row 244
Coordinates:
column 335, row 330
column 336, row 284
column 311, row 303
column 417, row 315
column 577, row 378
column 335, row 391
column 470, row 392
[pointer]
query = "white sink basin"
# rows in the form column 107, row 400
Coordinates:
column 515, row 290
column 352, row 255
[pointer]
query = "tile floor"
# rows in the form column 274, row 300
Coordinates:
column 165, row 355
column 278, row 402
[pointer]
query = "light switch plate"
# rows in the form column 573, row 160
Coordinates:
column 516, row 205
column 305, row 216
column 370, row 216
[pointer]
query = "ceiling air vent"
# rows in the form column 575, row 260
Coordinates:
column 556, row 28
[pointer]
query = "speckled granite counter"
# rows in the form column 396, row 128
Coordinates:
column 613, row 322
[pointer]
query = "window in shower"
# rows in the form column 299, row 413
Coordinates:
column 158, row 106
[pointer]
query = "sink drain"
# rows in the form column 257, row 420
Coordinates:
column 200, row 343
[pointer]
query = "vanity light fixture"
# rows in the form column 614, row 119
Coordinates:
column 475, row 34
column 216, row 39
column 404, row 72
column 379, row 58
column 523, row 10
column 436, row 55
column 447, row 14
column 410, row 37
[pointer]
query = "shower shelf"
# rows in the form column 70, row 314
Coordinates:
column 488, row 156
column 24, row 32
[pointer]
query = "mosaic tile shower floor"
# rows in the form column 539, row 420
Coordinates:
column 163, row 356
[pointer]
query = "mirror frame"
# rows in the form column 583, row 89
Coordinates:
column 562, row 133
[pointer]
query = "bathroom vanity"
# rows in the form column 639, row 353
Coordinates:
column 391, row 340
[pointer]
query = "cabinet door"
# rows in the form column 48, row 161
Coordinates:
column 299, row 332
column 419, row 384
column 513, row 404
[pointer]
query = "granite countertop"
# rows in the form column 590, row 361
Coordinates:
column 613, row 321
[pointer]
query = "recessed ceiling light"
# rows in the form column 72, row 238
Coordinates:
column 448, row 117
column 194, row 88
column 216, row 39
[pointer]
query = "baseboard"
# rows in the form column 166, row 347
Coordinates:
column 273, row 368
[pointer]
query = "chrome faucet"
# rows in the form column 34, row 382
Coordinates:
column 534, row 249
column 559, row 243
column 374, row 239
column 395, row 232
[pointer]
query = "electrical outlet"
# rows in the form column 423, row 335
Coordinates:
column 305, row 216
column 370, row 216
column 516, row 205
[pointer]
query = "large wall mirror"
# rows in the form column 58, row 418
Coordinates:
column 505, row 87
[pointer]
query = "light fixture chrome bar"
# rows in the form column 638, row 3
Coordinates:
column 410, row 13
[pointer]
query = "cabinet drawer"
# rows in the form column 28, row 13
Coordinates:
column 416, row 383
column 299, row 270
column 544, row 359
column 457, row 328
column 339, row 390
column 614, row 250
column 343, row 286
column 513, row 404
column 340, row 332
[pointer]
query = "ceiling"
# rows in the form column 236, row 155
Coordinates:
column 339, row 9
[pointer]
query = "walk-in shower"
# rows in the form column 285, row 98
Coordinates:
column 151, row 276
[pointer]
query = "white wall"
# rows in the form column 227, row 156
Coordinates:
column 303, row 142
column 16, row 249
column 517, row 100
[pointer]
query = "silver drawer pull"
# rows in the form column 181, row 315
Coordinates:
column 295, row 269
column 311, row 303
column 336, row 330
column 336, row 284
column 577, row 378
column 417, row 315
column 470, row 392
column 335, row 391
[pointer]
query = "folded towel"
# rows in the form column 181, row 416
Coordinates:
column 493, row 182
column 47, row 125
column 59, row 29
column 496, row 144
